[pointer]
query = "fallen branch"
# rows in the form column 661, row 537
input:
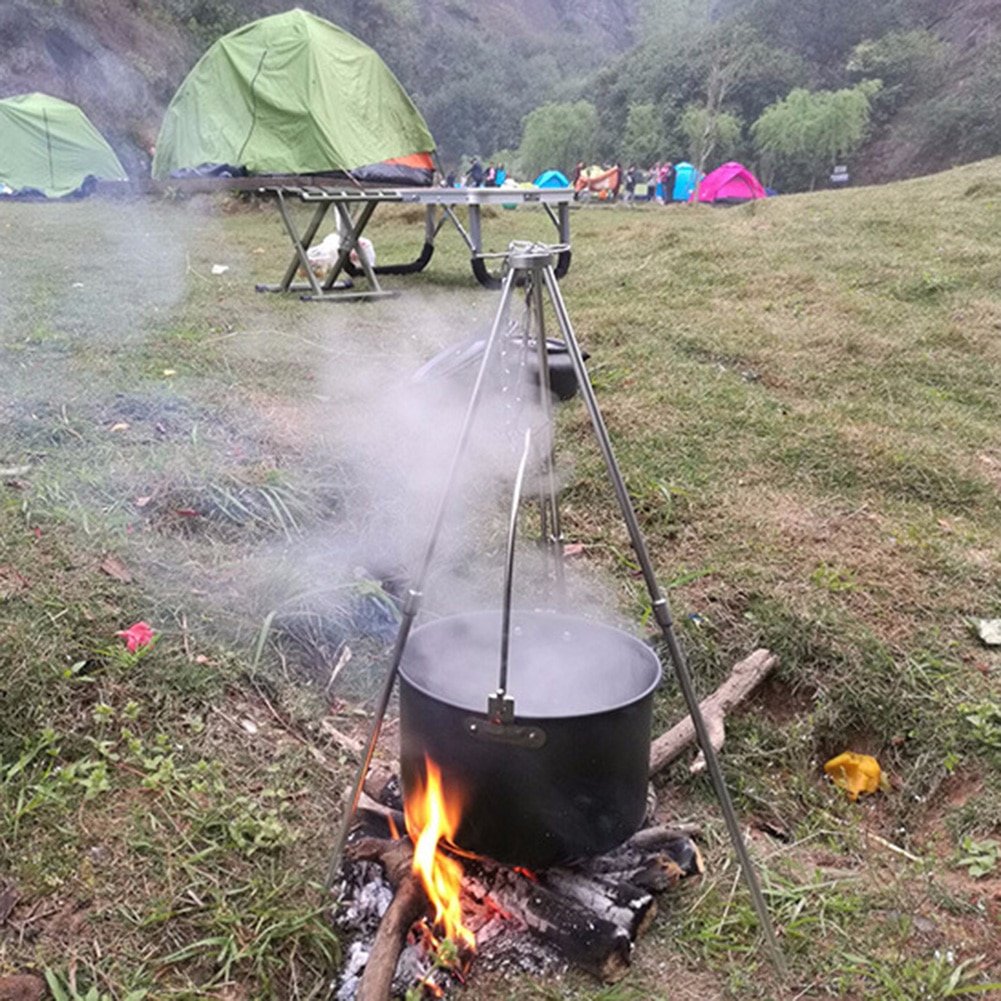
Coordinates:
column 743, row 679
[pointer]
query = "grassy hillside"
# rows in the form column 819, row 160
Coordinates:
column 803, row 396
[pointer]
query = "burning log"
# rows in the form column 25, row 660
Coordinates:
column 589, row 941
column 624, row 905
column 409, row 903
column 590, row 913
column 743, row 679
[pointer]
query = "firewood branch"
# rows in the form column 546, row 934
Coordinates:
column 743, row 679
column 409, row 903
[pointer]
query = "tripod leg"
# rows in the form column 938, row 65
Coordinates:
column 662, row 613
column 415, row 593
column 551, row 528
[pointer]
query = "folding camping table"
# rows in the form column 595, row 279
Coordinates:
column 355, row 206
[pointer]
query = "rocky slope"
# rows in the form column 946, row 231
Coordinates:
column 961, row 121
column 474, row 67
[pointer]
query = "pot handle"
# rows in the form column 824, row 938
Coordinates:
column 500, row 705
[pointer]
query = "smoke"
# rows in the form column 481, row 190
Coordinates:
column 264, row 466
column 390, row 423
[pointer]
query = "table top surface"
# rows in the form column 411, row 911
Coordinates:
column 422, row 196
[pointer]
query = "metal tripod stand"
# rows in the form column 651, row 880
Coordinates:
column 531, row 266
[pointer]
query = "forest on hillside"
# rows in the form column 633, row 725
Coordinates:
column 892, row 87
column 895, row 87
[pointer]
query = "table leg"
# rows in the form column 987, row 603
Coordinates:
column 299, row 258
column 351, row 230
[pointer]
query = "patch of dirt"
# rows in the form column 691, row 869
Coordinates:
column 990, row 467
column 21, row 987
column 959, row 789
column 12, row 582
column 289, row 424
column 45, row 919
column 779, row 702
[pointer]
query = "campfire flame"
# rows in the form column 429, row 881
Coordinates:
column 430, row 819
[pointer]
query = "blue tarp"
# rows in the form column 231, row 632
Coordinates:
column 551, row 179
column 685, row 176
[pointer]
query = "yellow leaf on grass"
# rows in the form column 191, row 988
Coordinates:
column 855, row 773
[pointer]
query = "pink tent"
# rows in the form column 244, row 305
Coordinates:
column 732, row 182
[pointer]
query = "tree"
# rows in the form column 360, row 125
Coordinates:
column 643, row 138
column 823, row 31
column 907, row 62
column 557, row 135
column 803, row 135
column 730, row 56
column 710, row 136
column 660, row 19
column 961, row 124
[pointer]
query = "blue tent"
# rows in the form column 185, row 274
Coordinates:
column 685, row 178
column 551, row 179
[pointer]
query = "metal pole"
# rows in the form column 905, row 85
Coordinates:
column 553, row 536
column 662, row 613
column 512, row 533
column 415, row 592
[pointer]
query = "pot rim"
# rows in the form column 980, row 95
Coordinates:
column 641, row 648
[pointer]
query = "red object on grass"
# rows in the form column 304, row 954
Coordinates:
column 139, row 635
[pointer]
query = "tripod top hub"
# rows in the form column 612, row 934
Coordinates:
column 530, row 256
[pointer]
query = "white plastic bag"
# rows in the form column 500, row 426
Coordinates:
column 323, row 255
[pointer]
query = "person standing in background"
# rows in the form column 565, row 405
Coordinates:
column 668, row 182
column 664, row 192
column 630, row 184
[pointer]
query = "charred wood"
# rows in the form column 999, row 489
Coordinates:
column 383, row 785
column 624, row 905
column 654, row 859
column 593, row 943
column 373, row 808
column 409, row 903
column 590, row 912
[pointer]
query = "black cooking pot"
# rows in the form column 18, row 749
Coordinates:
column 460, row 361
column 567, row 776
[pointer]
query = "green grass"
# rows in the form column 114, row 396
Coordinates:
column 803, row 397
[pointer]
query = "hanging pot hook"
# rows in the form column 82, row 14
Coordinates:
column 500, row 705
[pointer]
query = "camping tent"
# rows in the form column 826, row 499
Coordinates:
column 294, row 94
column 603, row 180
column 685, row 178
column 732, row 182
column 552, row 179
column 49, row 147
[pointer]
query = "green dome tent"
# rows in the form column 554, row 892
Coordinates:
column 50, row 147
column 291, row 94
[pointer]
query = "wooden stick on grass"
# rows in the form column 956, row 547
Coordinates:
column 743, row 679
